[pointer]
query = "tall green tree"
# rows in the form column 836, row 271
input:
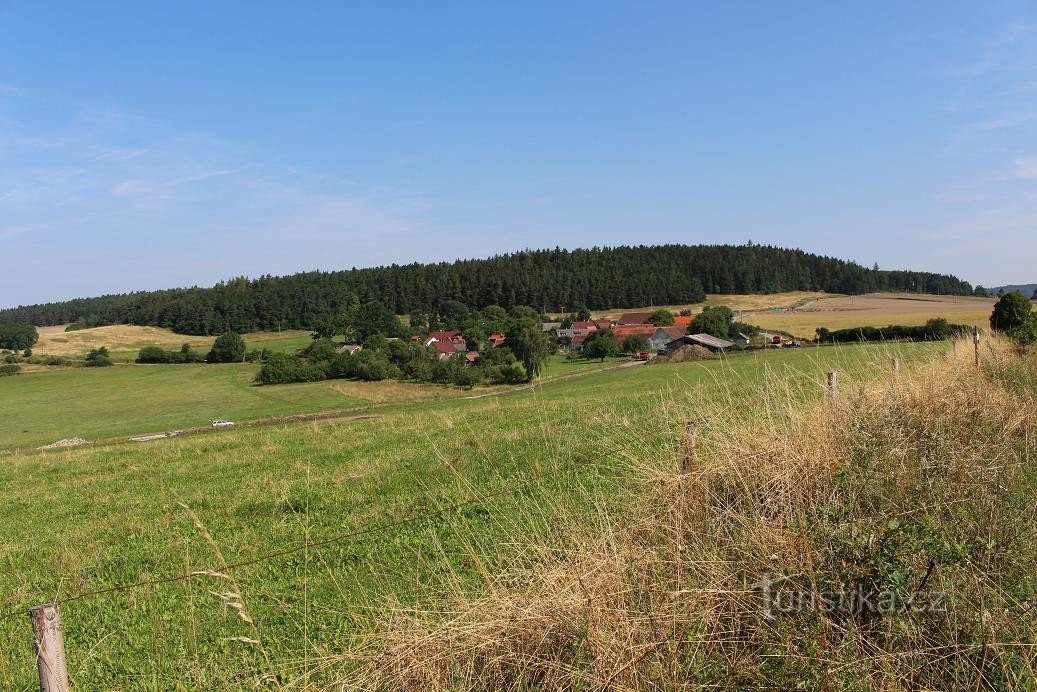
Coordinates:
column 661, row 318
column 635, row 343
column 530, row 345
column 18, row 337
column 714, row 320
column 1011, row 311
column 601, row 344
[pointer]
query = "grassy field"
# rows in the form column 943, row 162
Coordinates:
column 125, row 340
column 86, row 519
column 96, row 403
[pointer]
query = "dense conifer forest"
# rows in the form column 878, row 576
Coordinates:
column 551, row 280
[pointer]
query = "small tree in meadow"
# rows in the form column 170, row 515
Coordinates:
column 228, row 348
column 601, row 344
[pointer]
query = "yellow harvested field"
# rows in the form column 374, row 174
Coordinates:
column 736, row 302
column 55, row 341
column 125, row 338
column 872, row 310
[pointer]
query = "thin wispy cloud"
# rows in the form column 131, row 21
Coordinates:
column 1026, row 167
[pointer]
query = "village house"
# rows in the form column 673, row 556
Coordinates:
column 497, row 339
column 446, row 343
column 348, row 348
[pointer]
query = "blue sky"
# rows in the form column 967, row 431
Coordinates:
column 148, row 145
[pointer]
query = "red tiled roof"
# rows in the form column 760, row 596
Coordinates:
column 446, row 347
column 632, row 318
column 683, row 320
column 645, row 330
column 588, row 324
column 444, row 336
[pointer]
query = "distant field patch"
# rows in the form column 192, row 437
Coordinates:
column 125, row 340
column 872, row 310
column 765, row 301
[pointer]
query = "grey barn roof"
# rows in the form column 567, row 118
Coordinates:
column 709, row 340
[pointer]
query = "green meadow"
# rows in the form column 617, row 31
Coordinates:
column 92, row 403
column 483, row 479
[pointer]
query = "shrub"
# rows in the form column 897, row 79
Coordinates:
column 9, row 369
column 97, row 358
column 228, row 348
column 278, row 368
column 513, row 373
column 152, row 354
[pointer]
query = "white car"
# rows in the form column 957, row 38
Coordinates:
column 220, row 423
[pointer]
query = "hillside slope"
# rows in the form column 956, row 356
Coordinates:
column 549, row 280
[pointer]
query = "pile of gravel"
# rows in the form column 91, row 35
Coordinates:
column 685, row 354
column 67, row 442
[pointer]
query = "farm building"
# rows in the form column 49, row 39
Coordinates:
column 348, row 348
column 706, row 340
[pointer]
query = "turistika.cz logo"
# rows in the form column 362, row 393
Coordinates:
column 781, row 594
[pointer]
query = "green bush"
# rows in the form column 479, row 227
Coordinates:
column 97, row 358
column 279, row 368
column 154, row 354
column 228, row 348
column 9, row 369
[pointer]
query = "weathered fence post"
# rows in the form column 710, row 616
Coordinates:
column 975, row 342
column 691, row 436
column 49, row 645
column 896, row 366
column 833, row 384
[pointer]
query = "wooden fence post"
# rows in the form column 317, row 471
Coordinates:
column 975, row 342
column 691, row 436
column 833, row 384
column 896, row 366
column 49, row 645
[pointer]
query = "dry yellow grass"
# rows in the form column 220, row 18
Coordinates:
column 873, row 310
column 394, row 391
column 915, row 486
column 735, row 302
column 55, row 341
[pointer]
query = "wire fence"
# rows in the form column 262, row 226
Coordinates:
column 366, row 531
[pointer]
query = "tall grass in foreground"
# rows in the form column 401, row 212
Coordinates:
column 883, row 540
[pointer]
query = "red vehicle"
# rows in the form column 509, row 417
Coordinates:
column 643, row 355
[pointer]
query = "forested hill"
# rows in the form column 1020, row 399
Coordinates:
column 554, row 280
